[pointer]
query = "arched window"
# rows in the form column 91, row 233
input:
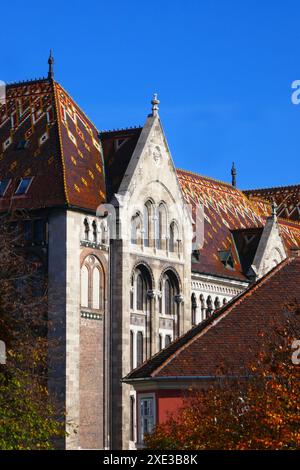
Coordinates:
column 194, row 308
column 174, row 235
column 148, row 217
column 217, row 303
column 86, row 229
column 209, row 306
column 169, row 298
column 84, row 286
column 95, row 234
column 140, row 292
column 161, row 227
column 136, row 229
column 202, row 303
column 139, row 348
column 92, row 284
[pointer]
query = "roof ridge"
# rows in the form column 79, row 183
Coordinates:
column 130, row 128
column 207, row 177
column 27, row 82
column 272, row 187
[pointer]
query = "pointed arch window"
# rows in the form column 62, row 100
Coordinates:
column 174, row 235
column 136, row 229
column 194, row 308
column 161, row 225
column 147, row 223
column 92, row 284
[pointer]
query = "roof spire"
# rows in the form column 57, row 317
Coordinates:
column 50, row 62
column 233, row 175
column 155, row 102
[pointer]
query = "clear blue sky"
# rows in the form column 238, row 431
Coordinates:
column 223, row 71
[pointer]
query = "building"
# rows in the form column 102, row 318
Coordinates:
column 228, row 340
column 114, row 224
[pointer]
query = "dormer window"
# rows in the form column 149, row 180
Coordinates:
column 22, row 144
column 4, row 185
column 226, row 258
column 23, row 186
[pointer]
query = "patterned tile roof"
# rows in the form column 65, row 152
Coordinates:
column 230, row 338
column 231, row 221
column 46, row 136
column 118, row 146
column 286, row 197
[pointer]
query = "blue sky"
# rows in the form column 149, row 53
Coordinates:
column 223, row 71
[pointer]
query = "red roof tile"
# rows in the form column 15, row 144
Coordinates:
column 231, row 337
column 286, row 197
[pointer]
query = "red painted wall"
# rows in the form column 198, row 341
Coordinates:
column 167, row 402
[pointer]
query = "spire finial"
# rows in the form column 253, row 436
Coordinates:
column 233, row 175
column 274, row 209
column 155, row 102
column 51, row 62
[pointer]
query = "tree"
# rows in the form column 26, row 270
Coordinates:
column 261, row 411
column 27, row 413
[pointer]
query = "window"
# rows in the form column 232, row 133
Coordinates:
column 173, row 237
column 132, row 415
column 194, row 308
column 131, row 349
column 168, row 340
column 217, row 303
column 226, row 258
column 86, row 229
column 161, row 227
column 224, row 301
column 96, row 289
column 132, row 293
column 22, row 144
column 39, row 230
column 94, row 225
column 209, row 306
column 23, row 186
column 146, row 224
column 84, row 286
column 136, row 229
column 4, row 185
column 140, row 292
column 92, row 283
column 139, row 348
column 202, row 303
column 146, row 417
column 160, row 342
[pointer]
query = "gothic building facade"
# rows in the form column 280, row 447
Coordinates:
column 116, row 227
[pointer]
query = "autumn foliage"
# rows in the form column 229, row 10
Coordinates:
column 259, row 410
column 27, row 414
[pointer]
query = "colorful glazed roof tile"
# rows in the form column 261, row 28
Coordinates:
column 232, row 222
column 118, row 146
column 286, row 197
column 230, row 339
column 44, row 135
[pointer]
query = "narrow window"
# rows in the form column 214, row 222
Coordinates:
column 131, row 349
column 168, row 340
column 140, row 292
column 23, row 186
column 140, row 348
column 147, row 417
column 94, row 231
column 84, row 286
column 132, row 416
column 96, row 289
column 4, row 185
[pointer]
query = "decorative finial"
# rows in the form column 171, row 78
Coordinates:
column 233, row 175
column 274, row 209
column 51, row 62
column 155, row 102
